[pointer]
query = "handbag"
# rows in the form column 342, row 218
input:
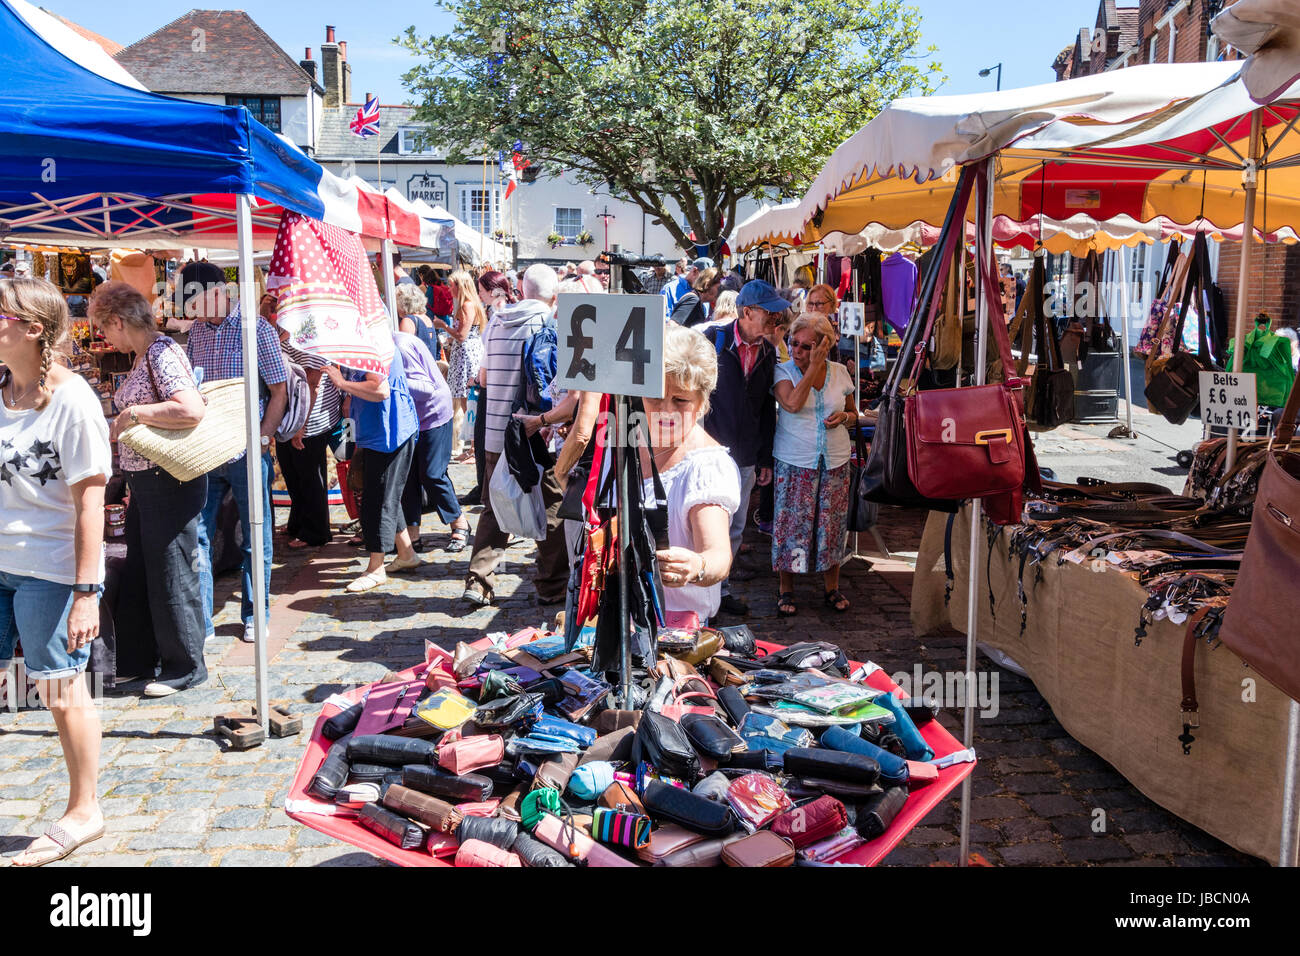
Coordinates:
column 1168, row 286
column 810, row 822
column 186, row 453
column 968, row 442
column 1259, row 622
column 863, row 512
column 1050, row 400
column 1173, row 381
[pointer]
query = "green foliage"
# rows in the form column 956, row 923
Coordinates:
column 696, row 103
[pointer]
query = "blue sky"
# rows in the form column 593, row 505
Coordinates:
column 1024, row 36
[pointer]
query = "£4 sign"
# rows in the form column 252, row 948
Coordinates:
column 611, row 343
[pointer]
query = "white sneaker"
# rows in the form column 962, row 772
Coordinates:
column 248, row 635
column 156, row 689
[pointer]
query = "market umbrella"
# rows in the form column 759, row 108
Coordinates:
column 1269, row 30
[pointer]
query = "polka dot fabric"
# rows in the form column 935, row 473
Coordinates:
column 329, row 302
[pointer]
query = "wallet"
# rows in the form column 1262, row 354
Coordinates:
column 704, row 853
column 535, row 853
column 811, row 822
column 332, row 773
column 574, row 843
column 763, row 848
column 608, row 721
column 555, row 772
column 494, row 830
column 664, row 744
column 757, row 798
column 548, row 726
column 739, row 639
column 725, row 674
column 631, row 830
column 613, row 747
column 342, row 723
column 619, row 796
column 441, row 816
column 509, row 713
column 690, row 810
column 368, row 772
column 756, row 760
column 667, row 840
column 920, row 774
column 877, row 812
column 445, row 709
column 393, row 827
column 471, row 753
column 893, row 768
column 711, row 737
column 845, row 790
column 914, row 745
column 478, row 853
column 356, row 795
column 391, row 751
column 465, row 788
column 590, row 780
column 831, row 765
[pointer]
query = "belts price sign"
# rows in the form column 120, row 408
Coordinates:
column 611, row 343
column 1228, row 400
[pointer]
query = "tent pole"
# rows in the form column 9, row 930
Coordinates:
column 1249, row 177
column 1121, row 263
column 390, row 284
column 253, row 456
column 1287, row 851
column 983, row 246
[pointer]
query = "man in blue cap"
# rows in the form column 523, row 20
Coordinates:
column 683, row 284
column 742, row 411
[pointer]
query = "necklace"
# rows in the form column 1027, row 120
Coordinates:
column 13, row 401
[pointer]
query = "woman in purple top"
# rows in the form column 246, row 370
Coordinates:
column 161, row 619
column 428, row 480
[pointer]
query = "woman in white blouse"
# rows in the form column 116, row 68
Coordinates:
column 699, row 477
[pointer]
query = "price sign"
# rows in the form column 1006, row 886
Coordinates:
column 611, row 343
column 852, row 319
column 1228, row 400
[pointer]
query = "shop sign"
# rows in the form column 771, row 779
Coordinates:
column 611, row 343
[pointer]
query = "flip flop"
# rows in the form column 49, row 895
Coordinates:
column 65, row 842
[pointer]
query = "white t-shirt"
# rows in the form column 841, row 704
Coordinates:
column 43, row 453
column 802, row 436
column 706, row 476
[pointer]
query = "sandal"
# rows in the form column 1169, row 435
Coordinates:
column 785, row 605
column 834, row 599
column 63, row 841
column 459, row 539
column 368, row 581
column 297, row 544
column 356, row 541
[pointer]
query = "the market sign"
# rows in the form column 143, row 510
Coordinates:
column 611, row 343
column 430, row 187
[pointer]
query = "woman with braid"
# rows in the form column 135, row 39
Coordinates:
column 54, row 463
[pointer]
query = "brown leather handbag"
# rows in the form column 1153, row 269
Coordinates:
column 1259, row 624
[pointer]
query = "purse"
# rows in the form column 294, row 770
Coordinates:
column 332, row 774
column 662, row 742
column 631, row 830
column 619, row 796
column 893, row 769
column 711, row 737
column 863, row 512
column 574, row 844
column 1173, row 381
column 1050, row 399
column 1259, row 623
column 757, row 798
column 878, row 812
column 478, row 853
column 509, row 713
column 493, row 830
column 665, row 802
column 186, row 453
column 439, row 783
column 438, row 814
column 472, row 753
column 831, row 764
column 391, row 751
column 613, row 747
column 763, row 848
column 535, row 853
column 393, row 827
column 677, row 706
column 555, row 772
column 668, row 840
column 810, row 822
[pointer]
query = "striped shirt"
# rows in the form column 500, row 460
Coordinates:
column 326, row 412
column 503, row 342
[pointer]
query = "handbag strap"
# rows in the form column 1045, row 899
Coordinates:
column 1049, row 342
column 1284, row 430
column 987, row 268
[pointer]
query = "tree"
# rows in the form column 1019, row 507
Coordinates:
column 697, row 103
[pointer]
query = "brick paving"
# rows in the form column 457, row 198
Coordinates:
column 173, row 795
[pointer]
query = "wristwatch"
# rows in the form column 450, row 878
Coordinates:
column 131, row 413
column 86, row 588
column 265, row 441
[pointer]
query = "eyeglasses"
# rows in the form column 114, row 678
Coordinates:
column 12, row 318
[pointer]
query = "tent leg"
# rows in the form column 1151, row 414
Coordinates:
column 983, row 247
column 253, row 456
column 1248, row 180
column 1122, row 265
column 390, row 285
column 1287, row 852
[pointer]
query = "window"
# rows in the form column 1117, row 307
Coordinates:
column 408, row 145
column 265, row 109
column 568, row 222
column 480, row 208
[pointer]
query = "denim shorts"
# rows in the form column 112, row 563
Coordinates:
column 37, row 612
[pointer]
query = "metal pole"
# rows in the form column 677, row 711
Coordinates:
column 1249, row 175
column 390, row 285
column 1286, row 855
column 253, row 455
column 983, row 247
column 1122, row 264
column 621, row 450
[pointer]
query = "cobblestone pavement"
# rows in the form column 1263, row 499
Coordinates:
column 174, row 796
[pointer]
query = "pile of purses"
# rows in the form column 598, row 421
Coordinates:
column 518, row 755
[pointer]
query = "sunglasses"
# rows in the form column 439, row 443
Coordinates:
column 801, row 347
column 13, row 318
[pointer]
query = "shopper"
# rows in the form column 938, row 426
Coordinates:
column 54, row 463
column 508, row 333
column 302, row 458
column 412, row 307
column 724, row 310
column 685, row 281
column 699, row 477
column 692, row 309
column 161, row 621
column 216, row 346
column 742, row 416
column 428, row 476
column 811, row 449
column 386, row 435
column 658, row 278
column 466, row 353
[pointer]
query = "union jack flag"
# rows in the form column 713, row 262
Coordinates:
column 367, row 119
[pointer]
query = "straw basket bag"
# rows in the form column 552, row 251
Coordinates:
column 186, row 453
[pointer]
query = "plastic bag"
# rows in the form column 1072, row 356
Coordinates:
column 471, row 414
column 518, row 513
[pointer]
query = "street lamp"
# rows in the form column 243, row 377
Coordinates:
column 997, row 67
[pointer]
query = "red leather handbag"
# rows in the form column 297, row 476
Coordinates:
column 968, row 442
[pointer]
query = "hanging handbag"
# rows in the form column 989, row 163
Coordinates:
column 1169, row 288
column 1173, row 381
column 1101, row 335
column 1259, row 622
column 968, row 442
column 1051, row 390
column 863, row 512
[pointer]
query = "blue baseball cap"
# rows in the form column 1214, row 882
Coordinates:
column 702, row 263
column 758, row 294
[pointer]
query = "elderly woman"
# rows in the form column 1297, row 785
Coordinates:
column 57, row 461
column 811, row 449
column 162, row 619
column 699, row 477
column 412, row 306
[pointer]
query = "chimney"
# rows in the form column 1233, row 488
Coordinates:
column 335, row 71
column 343, row 49
column 329, row 34
column 308, row 65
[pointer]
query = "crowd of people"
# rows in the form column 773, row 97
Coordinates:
column 753, row 400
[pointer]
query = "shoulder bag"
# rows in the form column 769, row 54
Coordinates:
column 1173, row 381
column 1050, row 400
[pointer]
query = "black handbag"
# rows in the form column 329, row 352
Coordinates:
column 863, row 512
column 1052, row 387
column 663, row 743
column 1173, row 381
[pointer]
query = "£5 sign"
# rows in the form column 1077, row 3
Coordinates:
column 611, row 343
